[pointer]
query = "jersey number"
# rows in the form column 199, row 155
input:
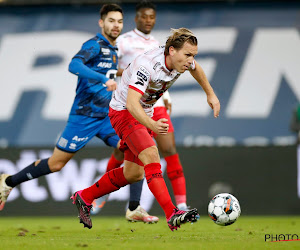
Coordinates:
column 111, row 74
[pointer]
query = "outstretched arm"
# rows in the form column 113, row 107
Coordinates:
column 77, row 67
column 212, row 99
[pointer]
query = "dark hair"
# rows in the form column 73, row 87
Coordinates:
column 108, row 8
column 145, row 5
column 178, row 38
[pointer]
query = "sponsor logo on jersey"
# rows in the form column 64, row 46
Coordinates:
column 144, row 70
column 114, row 59
column 139, row 83
column 141, row 76
column 76, row 138
column 72, row 146
column 105, row 65
column 105, row 51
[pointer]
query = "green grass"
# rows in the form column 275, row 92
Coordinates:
column 116, row 233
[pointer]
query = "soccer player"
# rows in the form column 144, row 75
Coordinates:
column 130, row 45
column 95, row 65
column 143, row 82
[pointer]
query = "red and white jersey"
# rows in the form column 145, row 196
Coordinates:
column 130, row 45
column 133, row 43
column 148, row 75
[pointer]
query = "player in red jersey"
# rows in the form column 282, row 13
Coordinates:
column 143, row 82
column 130, row 45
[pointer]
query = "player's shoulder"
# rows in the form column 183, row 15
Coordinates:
column 151, row 58
column 126, row 35
column 153, row 39
column 93, row 42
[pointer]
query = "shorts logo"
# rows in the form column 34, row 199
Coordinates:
column 72, row 146
column 76, row 138
column 63, row 142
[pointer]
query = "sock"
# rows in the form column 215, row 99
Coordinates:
column 133, row 205
column 113, row 163
column 29, row 173
column 136, row 191
column 109, row 182
column 158, row 187
column 176, row 177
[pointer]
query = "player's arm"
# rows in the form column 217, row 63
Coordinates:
column 134, row 107
column 120, row 72
column 167, row 101
column 77, row 66
column 200, row 77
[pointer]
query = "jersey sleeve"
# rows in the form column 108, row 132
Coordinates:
column 88, row 51
column 141, row 75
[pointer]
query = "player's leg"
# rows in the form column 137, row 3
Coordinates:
column 167, row 147
column 35, row 170
column 116, row 159
column 78, row 131
column 108, row 135
column 111, row 181
column 137, row 138
column 147, row 153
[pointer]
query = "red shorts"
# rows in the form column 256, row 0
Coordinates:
column 162, row 112
column 134, row 136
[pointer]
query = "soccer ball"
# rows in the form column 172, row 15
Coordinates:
column 224, row 209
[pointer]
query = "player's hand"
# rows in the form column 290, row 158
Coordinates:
column 214, row 103
column 111, row 85
column 168, row 106
column 161, row 126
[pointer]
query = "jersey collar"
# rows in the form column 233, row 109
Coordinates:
column 143, row 35
column 105, row 40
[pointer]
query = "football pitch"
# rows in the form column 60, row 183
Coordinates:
column 116, row 233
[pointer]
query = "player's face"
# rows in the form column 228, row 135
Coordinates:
column 183, row 58
column 145, row 20
column 112, row 25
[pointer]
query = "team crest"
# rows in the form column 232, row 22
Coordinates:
column 114, row 59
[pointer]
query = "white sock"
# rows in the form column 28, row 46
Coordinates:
column 182, row 206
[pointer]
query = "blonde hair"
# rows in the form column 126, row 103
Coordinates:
column 178, row 38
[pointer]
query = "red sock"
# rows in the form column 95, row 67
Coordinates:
column 176, row 176
column 113, row 163
column 158, row 187
column 109, row 182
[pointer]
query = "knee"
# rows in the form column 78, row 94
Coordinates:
column 56, row 166
column 149, row 155
column 168, row 150
column 135, row 176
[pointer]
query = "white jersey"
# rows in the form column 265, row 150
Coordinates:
column 133, row 43
column 148, row 75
